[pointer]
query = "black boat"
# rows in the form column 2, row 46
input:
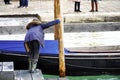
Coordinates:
column 77, row 62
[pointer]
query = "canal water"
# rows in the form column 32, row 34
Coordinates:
column 93, row 77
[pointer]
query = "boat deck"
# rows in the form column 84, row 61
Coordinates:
column 83, row 41
column 7, row 72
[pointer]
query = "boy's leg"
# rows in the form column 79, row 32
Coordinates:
column 28, row 47
column 33, row 65
column 34, row 55
column 36, row 47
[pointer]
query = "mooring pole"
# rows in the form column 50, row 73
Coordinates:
column 58, row 35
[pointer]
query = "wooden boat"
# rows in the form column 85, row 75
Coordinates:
column 77, row 62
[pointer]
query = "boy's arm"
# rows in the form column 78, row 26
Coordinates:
column 51, row 23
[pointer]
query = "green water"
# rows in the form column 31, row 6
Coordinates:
column 97, row 77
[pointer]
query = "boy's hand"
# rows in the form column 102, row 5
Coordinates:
column 57, row 21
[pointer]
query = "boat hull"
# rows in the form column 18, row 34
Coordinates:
column 75, row 64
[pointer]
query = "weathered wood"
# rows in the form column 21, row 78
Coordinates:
column 26, row 75
column 0, row 66
column 37, row 75
column 22, row 75
column 7, row 75
column 59, row 36
column 6, row 71
column 100, row 49
column 17, row 75
column 56, row 15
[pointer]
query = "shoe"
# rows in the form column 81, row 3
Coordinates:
column 75, row 10
column 9, row 3
column 35, row 71
column 19, row 6
column 32, row 65
column 96, row 10
column 79, row 11
column 26, row 6
column 91, row 11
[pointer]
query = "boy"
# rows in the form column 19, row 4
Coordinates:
column 34, row 39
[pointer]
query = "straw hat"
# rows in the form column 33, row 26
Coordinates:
column 33, row 22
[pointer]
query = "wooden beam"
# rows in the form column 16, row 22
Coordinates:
column 58, row 34
column 26, row 75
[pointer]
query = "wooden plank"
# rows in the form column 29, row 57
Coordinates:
column 0, row 66
column 17, row 75
column 25, row 75
column 99, row 49
column 7, row 75
column 37, row 75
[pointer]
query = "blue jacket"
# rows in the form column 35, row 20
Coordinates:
column 37, row 33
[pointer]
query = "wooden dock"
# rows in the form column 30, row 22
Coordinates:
column 26, row 75
column 7, row 72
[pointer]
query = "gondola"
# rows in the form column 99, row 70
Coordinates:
column 78, row 62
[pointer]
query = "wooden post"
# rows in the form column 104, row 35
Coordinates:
column 58, row 34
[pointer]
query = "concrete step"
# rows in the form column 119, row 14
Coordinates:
column 18, row 26
column 7, row 73
column 26, row 75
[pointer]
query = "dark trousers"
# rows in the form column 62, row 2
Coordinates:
column 23, row 3
column 94, row 4
column 20, row 3
column 77, row 6
column 7, row 1
column 93, row 0
column 34, row 49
